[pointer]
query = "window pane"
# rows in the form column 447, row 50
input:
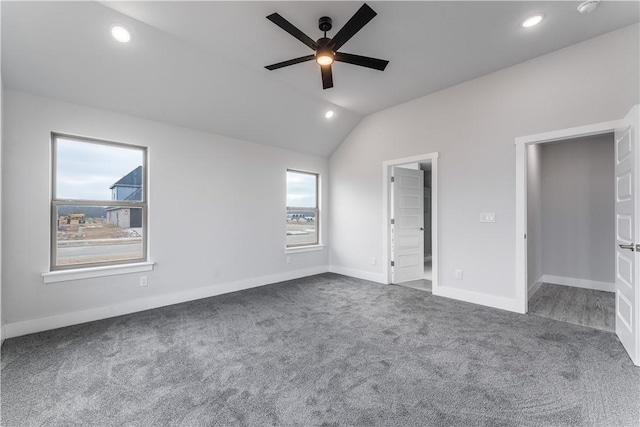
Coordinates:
column 301, row 189
column 96, row 234
column 93, row 171
column 302, row 227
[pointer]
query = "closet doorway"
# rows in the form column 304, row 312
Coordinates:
column 571, row 230
column 625, row 253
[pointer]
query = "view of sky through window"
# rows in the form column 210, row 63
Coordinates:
column 85, row 171
column 301, row 189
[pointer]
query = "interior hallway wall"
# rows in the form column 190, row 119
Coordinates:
column 427, row 213
column 578, row 212
column 473, row 127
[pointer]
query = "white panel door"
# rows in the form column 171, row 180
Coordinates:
column 407, row 230
column 628, row 235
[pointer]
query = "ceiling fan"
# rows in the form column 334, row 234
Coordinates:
column 326, row 49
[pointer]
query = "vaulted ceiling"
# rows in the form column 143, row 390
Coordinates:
column 201, row 64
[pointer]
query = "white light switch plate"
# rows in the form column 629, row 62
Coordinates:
column 488, row 217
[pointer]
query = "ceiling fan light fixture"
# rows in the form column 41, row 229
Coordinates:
column 324, row 57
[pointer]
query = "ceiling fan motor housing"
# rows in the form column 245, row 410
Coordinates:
column 323, row 41
column 324, row 55
column 324, row 24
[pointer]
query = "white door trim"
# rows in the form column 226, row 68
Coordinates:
column 386, row 214
column 521, row 193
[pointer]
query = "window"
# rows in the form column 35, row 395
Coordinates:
column 99, row 203
column 302, row 208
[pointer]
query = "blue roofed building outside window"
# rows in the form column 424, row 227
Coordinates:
column 128, row 188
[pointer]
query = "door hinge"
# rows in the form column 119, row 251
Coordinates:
column 393, row 179
column 525, row 236
column 393, row 264
column 393, row 221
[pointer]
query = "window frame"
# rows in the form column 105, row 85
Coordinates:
column 55, row 202
column 317, row 242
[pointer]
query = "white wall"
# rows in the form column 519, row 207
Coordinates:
column 236, row 239
column 578, row 217
column 534, row 218
column 473, row 127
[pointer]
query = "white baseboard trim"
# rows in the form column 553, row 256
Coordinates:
column 358, row 274
column 509, row 304
column 25, row 327
column 579, row 283
column 534, row 287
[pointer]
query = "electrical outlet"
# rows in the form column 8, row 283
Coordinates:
column 458, row 274
column 374, row 261
column 488, row 217
column 288, row 260
column 143, row 281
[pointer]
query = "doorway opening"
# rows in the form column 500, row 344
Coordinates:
column 571, row 230
column 523, row 153
column 625, row 185
column 410, row 221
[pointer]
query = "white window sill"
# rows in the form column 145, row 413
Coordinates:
column 91, row 272
column 300, row 249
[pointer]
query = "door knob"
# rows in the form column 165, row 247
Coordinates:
column 421, row 228
column 631, row 247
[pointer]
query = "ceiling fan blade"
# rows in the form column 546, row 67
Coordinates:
column 290, row 62
column 327, row 76
column 353, row 25
column 363, row 61
column 291, row 29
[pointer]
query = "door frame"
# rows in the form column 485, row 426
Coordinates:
column 386, row 213
column 521, row 143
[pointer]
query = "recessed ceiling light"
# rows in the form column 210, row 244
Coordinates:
column 530, row 22
column 120, row 33
column 329, row 114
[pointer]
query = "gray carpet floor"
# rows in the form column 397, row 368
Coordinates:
column 327, row 350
